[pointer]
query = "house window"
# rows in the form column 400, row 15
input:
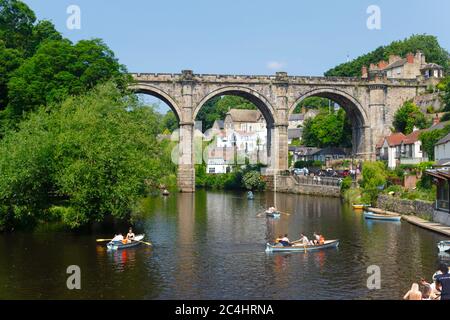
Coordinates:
column 442, row 196
column 212, row 170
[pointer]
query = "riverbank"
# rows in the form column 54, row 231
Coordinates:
column 422, row 223
column 305, row 186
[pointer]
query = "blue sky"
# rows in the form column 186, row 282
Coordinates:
column 247, row 36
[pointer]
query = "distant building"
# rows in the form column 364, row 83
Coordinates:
column 442, row 151
column 242, row 131
column 297, row 120
column 294, row 134
column 413, row 66
column 398, row 148
column 441, row 178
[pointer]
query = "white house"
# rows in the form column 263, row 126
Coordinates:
column 398, row 148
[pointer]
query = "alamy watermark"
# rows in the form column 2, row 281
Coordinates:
column 74, row 280
column 374, row 19
column 73, row 21
column 374, row 280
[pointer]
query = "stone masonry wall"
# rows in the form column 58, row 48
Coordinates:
column 418, row 208
column 287, row 184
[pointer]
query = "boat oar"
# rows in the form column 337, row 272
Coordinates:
column 147, row 243
column 103, row 240
column 288, row 214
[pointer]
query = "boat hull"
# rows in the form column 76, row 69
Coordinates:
column 302, row 248
column 121, row 246
column 444, row 246
column 376, row 216
column 358, row 206
column 273, row 214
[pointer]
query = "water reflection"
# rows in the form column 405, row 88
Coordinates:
column 210, row 245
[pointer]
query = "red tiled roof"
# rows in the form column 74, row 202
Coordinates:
column 412, row 137
column 395, row 139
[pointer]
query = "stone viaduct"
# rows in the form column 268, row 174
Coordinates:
column 370, row 104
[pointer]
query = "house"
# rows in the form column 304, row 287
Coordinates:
column 398, row 148
column 328, row 154
column 243, row 131
column 220, row 160
column 302, row 153
column 442, row 151
column 413, row 66
column 441, row 178
column 296, row 120
column 294, row 134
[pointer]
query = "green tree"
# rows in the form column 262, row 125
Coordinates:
column 407, row 117
column 169, row 122
column 252, row 180
column 317, row 103
column 16, row 24
column 428, row 44
column 373, row 179
column 59, row 69
column 94, row 155
column 217, row 108
column 430, row 138
column 327, row 130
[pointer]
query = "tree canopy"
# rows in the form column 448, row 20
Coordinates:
column 407, row 117
column 93, row 155
column 39, row 67
column 428, row 44
column 328, row 130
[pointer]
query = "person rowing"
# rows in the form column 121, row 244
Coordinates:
column 130, row 235
column 284, row 241
column 272, row 210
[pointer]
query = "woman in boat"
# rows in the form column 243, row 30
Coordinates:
column 130, row 235
column 303, row 239
column 316, row 238
column 117, row 238
column 414, row 293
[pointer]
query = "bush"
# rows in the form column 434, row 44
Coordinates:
column 346, row 183
column 252, row 180
column 373, row 180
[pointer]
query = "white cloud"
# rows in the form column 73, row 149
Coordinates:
column 275, row 65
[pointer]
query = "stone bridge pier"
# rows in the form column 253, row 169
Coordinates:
column 369, row 103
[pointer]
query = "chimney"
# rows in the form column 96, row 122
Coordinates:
column 410, row 57
column 382, row 64
column 364, row 72
column 436, row 120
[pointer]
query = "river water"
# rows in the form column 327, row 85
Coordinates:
column 210, row 245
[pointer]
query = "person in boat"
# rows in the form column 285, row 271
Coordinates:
column 427, row 290
column 303, row 239
column 316, row 238
column 272, row 210
column 414, row 293
column 443, row 282
column 117, row 238
column 285, row 241
column 130, row 235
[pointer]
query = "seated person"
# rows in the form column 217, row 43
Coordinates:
column 316, row 238
column 285, row 241
column 303, row 239
column 130, row 235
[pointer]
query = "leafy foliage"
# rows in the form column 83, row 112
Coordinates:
column 328, row 130
column 96, row 154
column 373, row 178
column 252, row 180
column 428, row 44
column 409, row 116
column 217, row 108
column 429, row 139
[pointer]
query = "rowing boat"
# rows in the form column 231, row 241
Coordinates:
column 274, row 214
column 378, row 216
column 301, row 247
column 358, row 206
column 117, row 245
column 444, row 246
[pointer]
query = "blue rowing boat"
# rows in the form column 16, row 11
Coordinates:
column 378, row 216
column 117, row 245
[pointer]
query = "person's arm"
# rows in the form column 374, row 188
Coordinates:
column 406, row 296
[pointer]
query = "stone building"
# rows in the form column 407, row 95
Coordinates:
column 413, row 66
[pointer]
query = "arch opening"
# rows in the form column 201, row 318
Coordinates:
column 237, row 123
column 343, row 141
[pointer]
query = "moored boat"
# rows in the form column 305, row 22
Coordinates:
column 250, row 195
column 301, row 247
column 117, row 245
column 444, row 246
column 378, row 216
column 358, row 206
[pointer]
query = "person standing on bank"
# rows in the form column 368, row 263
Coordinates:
column 443, row 282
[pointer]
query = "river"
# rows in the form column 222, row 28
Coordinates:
column 210, row 245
